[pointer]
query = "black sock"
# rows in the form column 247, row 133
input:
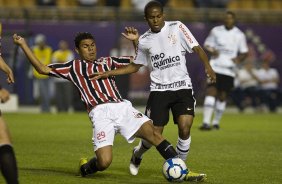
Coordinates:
column 8, row 164
column 90, row 167
column 166, row 150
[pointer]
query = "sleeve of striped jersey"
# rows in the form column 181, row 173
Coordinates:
column 187, row 39
column 60, row 70
column 118, row 62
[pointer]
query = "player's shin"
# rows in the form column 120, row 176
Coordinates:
column 208, row 109
column 220, row 108
column 142, row 147
column 166, row 150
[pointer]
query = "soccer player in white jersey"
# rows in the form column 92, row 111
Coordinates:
column 227, row 46
column 108, row 112
column 163, row 48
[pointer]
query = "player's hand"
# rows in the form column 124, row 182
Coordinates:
column 236, row 60
column 210, row 75
column 215, row 53
column 4, row 95
column 10, row 78
column 18, row 39
column 131, row 33
column 98, row 75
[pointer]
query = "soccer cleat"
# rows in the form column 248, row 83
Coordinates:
column 205, row 127
column 81, row 169
column 134, row 164
column 216, row 127
column 195, row 177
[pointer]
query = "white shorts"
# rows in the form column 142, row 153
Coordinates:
column 112, row 118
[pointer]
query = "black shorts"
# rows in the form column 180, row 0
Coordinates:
column 180, row 102
column 223, row 83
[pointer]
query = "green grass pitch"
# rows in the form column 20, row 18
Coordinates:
column 247, row 149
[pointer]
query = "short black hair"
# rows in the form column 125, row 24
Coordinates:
column 231, row 13
column 82, row 36
column 152, row 4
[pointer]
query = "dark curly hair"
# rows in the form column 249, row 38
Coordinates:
column 152, row 4
column 82, row 36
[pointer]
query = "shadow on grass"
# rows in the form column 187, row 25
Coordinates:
column 61, row 171
column 49, row 170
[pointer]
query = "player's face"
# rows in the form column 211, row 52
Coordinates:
column 155, row 19
column 229, row 21
column 87, row 49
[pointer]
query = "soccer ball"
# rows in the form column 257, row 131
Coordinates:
column 175, row 169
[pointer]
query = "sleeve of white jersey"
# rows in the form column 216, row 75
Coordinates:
column 141, row 56
column 243, row 47
column 187, row 39
column 210, row 40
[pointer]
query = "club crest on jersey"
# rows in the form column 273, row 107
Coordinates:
column 101, row 61
column 172, row 39
column 138, row 114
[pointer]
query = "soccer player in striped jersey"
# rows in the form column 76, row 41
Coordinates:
column 227, row 46
column 163, row 48
column 108, row 112
column 8, row 164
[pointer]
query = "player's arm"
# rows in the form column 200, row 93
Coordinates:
column 243, row 50
column 7, row 70
column 211, row 50
column 209, row 44
column 4, row 95
column 241, row 57
column 128, row 69
column 204, row 58
column 39, row 67
column 132, row 34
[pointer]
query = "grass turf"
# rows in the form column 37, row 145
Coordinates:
column 247, row 149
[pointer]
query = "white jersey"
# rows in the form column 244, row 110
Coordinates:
column 164, row 53
column 228, row 43
column 246, row 79
column 269, row 75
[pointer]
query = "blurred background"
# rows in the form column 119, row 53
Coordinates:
column 49, row 22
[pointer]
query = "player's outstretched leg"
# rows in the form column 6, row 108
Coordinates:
column 137, row 154
column 153, row 137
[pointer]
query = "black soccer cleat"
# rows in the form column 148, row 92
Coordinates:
column 205, row 127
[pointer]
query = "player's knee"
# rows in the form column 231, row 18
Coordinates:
column 104, row 163
column 184, row 133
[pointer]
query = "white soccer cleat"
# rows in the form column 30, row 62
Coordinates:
column 134, row 164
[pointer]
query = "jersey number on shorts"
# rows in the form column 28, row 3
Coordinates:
column 101, row 135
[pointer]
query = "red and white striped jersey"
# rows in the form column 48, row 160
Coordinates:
column 92, row 92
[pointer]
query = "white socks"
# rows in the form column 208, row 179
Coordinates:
column 182, row 147
column 210, row 104
column 219, row 109
column 208, row 109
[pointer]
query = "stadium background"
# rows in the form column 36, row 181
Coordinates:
column 259, row 19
